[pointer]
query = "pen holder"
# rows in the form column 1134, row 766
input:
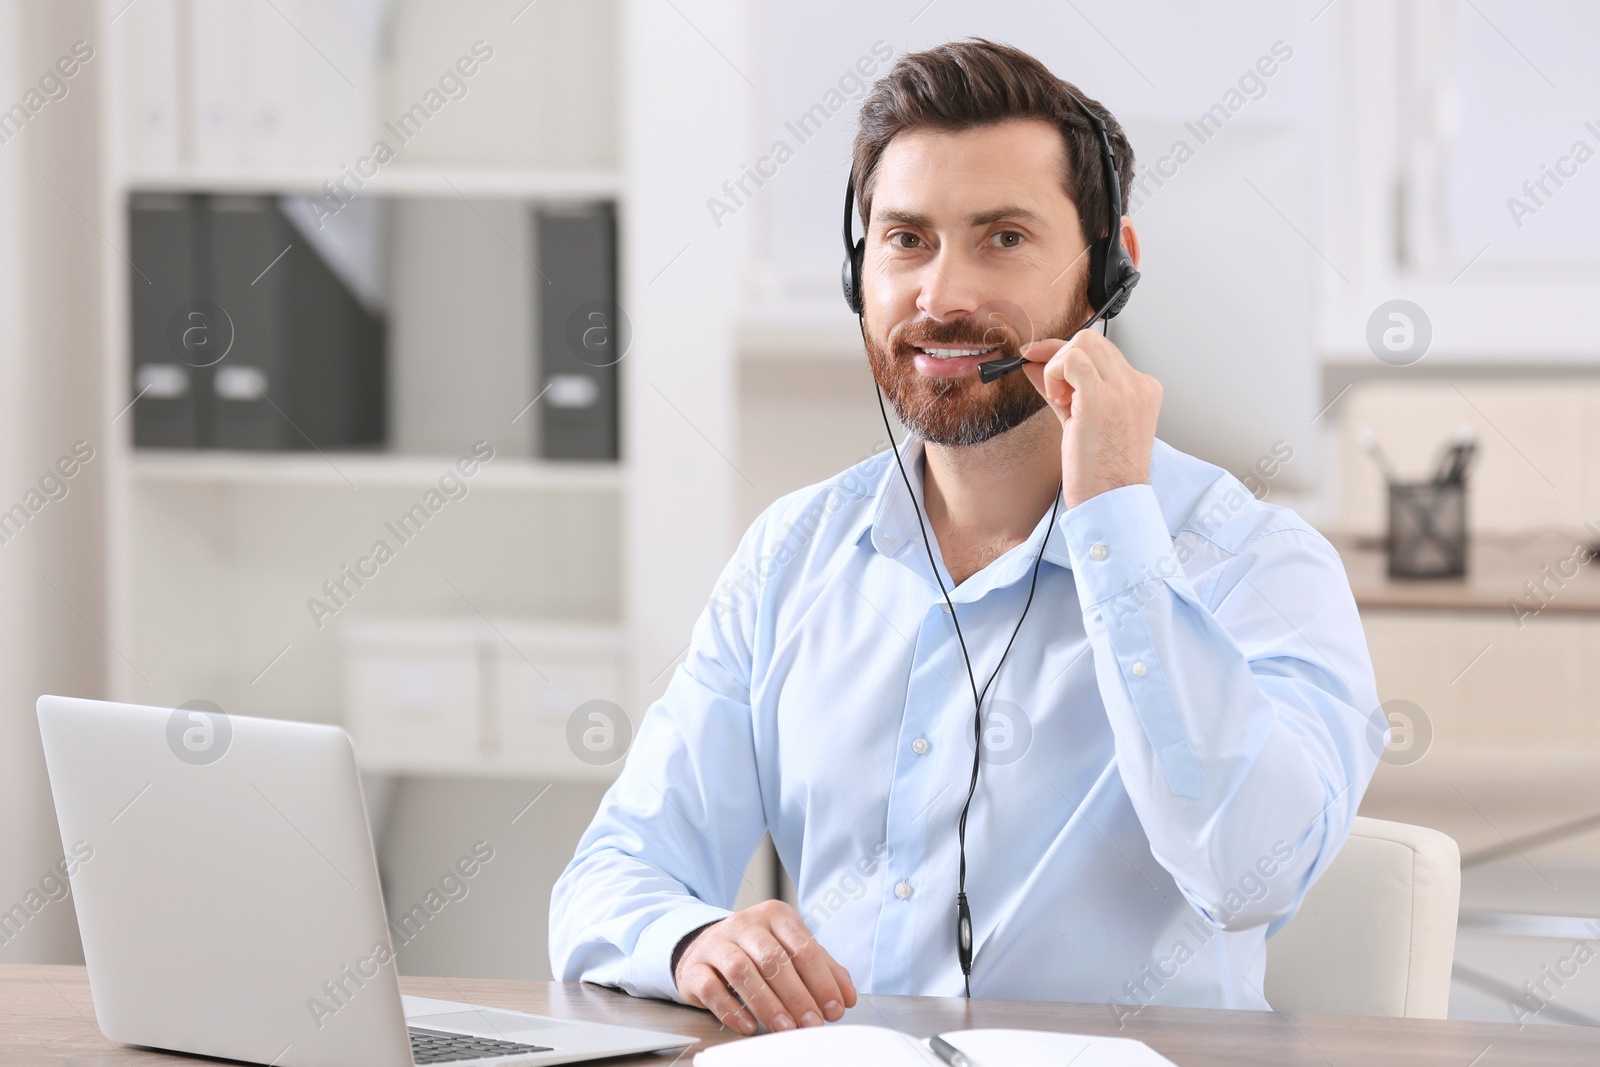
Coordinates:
column 1427, row 529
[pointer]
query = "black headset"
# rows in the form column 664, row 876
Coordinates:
column 1111, row 280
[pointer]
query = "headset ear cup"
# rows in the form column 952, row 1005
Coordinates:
column 850, row 276
column 1106, row 278
column 1097, row 289
column 1127, row 277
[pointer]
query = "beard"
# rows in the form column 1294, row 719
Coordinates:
column 965, row 411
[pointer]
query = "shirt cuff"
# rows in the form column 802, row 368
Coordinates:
column 652, row 954
column 1117, row 540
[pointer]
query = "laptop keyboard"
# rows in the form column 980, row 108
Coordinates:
column 436, row 1046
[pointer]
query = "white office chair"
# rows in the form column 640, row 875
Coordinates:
column 1376, row 934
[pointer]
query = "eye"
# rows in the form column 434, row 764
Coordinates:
column 1007, row 238
column 905, row 239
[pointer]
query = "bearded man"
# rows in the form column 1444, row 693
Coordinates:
column 1182, row 730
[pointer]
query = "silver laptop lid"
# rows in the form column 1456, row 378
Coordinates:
column 225, row 884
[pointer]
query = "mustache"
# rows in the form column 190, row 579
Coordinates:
column 999, row 325
column 996, row 330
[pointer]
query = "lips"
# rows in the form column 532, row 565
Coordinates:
column 950, row 361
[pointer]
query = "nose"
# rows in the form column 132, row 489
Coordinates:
column 951, row 287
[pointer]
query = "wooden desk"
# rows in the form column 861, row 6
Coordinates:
column 47, row 1017
column 1497, row 567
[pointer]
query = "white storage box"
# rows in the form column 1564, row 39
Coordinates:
column 543, row 672
column 425, row 691
column 414, row 688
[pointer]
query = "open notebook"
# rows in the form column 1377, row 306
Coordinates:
column 880, row 1047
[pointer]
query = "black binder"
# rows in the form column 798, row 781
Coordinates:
column 244, row 241
column 580, row 337
column 304, row 367
column 163, row 282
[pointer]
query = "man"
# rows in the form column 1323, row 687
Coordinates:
column 1184, row 725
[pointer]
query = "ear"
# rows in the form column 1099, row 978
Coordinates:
column 1130, row 240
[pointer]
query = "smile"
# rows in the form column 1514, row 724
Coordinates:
column 954, row 353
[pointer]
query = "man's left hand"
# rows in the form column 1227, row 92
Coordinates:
column 1107, row 410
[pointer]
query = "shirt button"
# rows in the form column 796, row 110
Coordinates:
column 1139, row 669
column 948, row 610
column 1097, row 552
column 920, row 745
column 903, row 890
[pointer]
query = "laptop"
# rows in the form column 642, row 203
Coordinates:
column 229, row 905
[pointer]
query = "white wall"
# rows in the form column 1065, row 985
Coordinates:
column 49, row 399
column 1193, row 53
column 1223, row 313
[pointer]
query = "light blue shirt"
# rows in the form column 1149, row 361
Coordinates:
column 1174, row 750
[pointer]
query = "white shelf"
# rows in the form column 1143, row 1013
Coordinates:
column 363, row 469
column 554, row 768
column 398, row 180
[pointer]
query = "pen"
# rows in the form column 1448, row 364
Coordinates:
column 1452, row 466
column 1369, row 444
column 948, row 1052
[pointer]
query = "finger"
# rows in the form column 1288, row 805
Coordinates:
column 1107, row 359
column 744, row 975
column 1106, row 370
column 1041, row 351
column 846, row 986
column 782, row 977
column 1082, row 360
column 1053, row 382
column 1068, row 373
column 1054, row 389
column 811, row 965
column 1074, row 367
column 703, row 987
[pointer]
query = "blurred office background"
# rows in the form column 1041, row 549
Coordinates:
column 576, row 323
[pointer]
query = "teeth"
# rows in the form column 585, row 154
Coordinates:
column 955, row 353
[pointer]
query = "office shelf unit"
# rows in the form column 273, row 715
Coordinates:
column 416, row 179
column 214, row 557
column 155, row 467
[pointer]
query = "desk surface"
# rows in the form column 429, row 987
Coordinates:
column 47, row 1017
column 1497, row 567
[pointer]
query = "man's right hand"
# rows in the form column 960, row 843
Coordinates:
column 766, row 955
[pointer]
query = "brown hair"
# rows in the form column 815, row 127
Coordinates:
column 965, row 84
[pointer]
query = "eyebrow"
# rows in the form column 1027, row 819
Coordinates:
column 982, row 218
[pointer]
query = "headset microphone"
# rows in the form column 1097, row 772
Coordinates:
column 1111, row 280
column 995, row 369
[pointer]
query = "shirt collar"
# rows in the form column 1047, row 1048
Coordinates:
column 892, row 522
column 892, row 519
